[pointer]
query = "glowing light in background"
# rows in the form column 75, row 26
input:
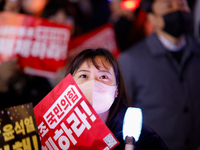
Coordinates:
column 130, row 4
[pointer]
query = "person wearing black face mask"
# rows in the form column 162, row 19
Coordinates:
column 162, row 75
column 177, row 23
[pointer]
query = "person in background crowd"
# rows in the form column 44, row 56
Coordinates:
column 89, row 14
column 162, row 75
column 58, row 11
column 97, row 73
column 129, row 25
column 123, row 21
column 85, row 15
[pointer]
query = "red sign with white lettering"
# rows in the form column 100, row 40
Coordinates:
column 40, row 44
column 101, row 37
column 66, row 120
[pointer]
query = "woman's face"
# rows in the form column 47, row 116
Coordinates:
column 87, row 71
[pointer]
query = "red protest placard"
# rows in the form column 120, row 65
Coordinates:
column 66, row 120
column 101, row 37
column 18, row 129
column 40, row 44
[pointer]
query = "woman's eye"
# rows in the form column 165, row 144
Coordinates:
column 104, row 77
column 83, row 76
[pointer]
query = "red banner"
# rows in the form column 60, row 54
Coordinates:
column 66, row 120
column 40, row 44
column 102, row 37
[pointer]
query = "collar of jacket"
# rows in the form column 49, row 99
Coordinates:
column 158, row 50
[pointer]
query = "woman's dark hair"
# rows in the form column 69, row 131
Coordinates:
column 90, row 55
column 147, row 5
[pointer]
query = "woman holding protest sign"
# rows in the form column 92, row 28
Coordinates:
column 95, row 70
